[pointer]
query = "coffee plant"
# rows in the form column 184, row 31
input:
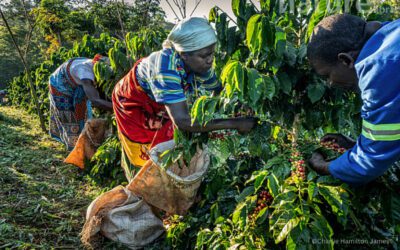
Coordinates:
column 122, row 54
column 260, row 192
column 103, row 167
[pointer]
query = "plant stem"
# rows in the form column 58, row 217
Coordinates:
column 227, row 15
column 195, row 7
column 176, row 15
column 295, row 129
column 27, row 72
column 255, row 7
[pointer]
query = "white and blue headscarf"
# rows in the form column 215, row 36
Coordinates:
column 191, row 34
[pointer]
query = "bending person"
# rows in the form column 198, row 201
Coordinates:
column 364, row 56
column 72, row 92
column 151, row 99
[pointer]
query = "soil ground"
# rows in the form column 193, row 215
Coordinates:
column 42, row 200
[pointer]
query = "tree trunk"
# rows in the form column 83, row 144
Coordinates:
column 27, row 72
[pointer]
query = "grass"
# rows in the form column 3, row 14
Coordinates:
column 42, row 200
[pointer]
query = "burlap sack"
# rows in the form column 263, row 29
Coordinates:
column 175, row 189
column 91, row 137
column 120, row 216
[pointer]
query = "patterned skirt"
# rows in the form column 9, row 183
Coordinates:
column 69, row 107
column 142, row 123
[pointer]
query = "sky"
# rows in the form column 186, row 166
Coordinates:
column 202, row 10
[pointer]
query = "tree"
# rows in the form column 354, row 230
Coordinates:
column 21, row 24
column 149, row 11
column 27, row 71
column 118, row 18
column 50, row 16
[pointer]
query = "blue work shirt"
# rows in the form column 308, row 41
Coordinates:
column 378, row 147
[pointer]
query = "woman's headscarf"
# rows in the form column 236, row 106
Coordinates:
column 191, row 34
column 100, row 58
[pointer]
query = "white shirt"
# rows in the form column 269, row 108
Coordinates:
column 82, row 69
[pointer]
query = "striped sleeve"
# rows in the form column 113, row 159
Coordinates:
column 209, row 81
column 165, row 83
column 166, row 87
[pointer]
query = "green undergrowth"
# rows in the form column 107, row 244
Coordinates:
column 43, row 201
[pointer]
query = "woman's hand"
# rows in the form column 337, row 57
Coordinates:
column 341, row 140
column 93, row 95
column 245, row 124
column 318, row 163
column 179, row 114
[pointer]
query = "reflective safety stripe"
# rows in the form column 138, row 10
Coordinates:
column 381, row 132
column 389, row 126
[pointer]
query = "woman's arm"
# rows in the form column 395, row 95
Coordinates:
column 179, row 114
column 93, row 95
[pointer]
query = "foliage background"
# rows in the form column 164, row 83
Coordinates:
column 56, row 24
column 261, row 61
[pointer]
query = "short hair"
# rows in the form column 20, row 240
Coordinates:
column 336, row 34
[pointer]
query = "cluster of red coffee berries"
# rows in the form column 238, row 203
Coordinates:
column 298, row 164
column 219, row 136
column 264, row 199
column 333, row 146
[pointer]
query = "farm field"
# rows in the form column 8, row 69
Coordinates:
column 43, row 200
column 260, row 190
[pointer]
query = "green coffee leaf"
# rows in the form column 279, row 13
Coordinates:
column 273, row 185
column 315, row 92
column 238, row 7
column 338, row 199
column 391, row 207
column 289, row 226
column 233, row 75
column 212, row 15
